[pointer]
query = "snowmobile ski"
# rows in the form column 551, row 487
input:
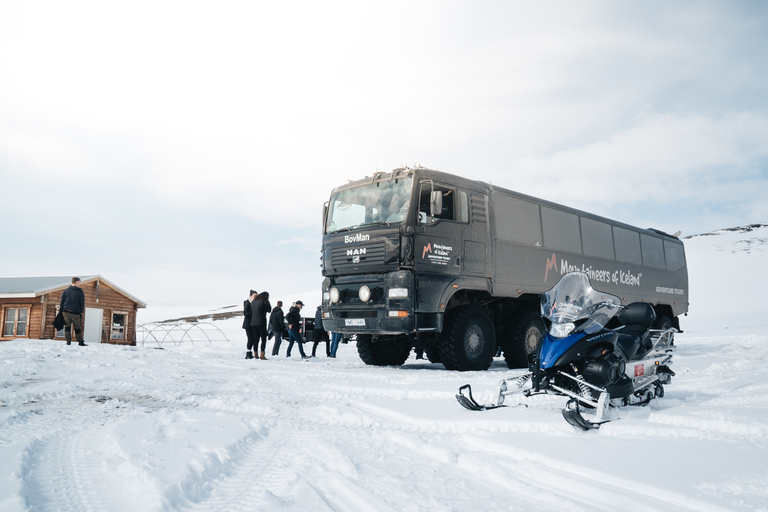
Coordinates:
column 469, row 402
column 578, row 421
column 572, row 415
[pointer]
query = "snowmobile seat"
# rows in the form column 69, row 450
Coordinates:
column 635, row 338
column 628, row 342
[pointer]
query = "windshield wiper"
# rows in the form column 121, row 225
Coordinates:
column 377, row 223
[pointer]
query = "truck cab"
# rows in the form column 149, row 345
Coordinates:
column 396, row 248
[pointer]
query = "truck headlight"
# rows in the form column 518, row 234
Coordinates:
column 397, row 293
column 365, row 293
column 334, row 295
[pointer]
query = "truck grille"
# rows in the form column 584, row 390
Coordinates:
column 346, row 257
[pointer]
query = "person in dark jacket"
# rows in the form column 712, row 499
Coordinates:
column 277, row 326
column 259, row 309
column 247, row 323
column 72, row 306
column 320, row 334
column 294, row 328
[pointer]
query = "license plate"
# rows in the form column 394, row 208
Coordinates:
column 354, row 322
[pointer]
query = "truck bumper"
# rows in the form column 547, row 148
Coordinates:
column 382, row 313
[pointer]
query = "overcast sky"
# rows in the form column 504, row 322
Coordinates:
column 183, row 150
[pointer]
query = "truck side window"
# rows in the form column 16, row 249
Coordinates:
column 463, row 207
column 449, row 208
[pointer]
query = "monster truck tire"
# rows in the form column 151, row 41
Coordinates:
column 390, row 351
column 468, row 340
column 527, row 331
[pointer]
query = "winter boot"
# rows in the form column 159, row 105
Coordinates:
column 248, row 355
column 262, row 356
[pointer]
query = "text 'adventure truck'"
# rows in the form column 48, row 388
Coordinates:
column 425, row 259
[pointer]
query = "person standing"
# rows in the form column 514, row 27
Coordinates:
column 247, row 323
column 277, row 325
column 72, row 306
column 320, row 333
column 294, row 328
column 259, row 309
column 336, row 338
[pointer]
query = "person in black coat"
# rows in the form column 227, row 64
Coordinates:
column 294, row 328
column 72, row 306
column 277, row 326
column 247, row 323
column 320, row 334
column 259, row 309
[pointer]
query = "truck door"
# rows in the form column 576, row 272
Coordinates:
column 438, row 239
column 438, row 245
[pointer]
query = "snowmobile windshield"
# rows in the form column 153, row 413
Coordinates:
column 572, row 305
column 383, row 202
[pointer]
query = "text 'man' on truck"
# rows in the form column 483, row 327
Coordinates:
column 421, row 258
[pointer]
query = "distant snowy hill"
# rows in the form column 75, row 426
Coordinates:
column 728, row 280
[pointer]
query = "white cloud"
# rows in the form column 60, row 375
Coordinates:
column 683, row 157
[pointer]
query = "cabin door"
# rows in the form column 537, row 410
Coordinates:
column 92, row 327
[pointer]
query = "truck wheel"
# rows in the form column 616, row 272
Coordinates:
column 468, row 340
column 527, row 330
column 384, row 352
column 663, row 322
column 433, row 354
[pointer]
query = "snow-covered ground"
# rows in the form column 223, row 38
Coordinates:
column 197, row 427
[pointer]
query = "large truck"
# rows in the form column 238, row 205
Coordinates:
column 417, row 258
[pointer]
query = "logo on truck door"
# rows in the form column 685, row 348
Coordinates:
column 437, row 254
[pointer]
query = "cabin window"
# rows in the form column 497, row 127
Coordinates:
column 118, row 326
column 561, row 230
column 597, row 238
column 674, row 255
column 627, row 244
column 653, row 251
column 15, row 322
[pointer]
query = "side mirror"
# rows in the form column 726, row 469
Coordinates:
column 325, row 216
column 436, row 203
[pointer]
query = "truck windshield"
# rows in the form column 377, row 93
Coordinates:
column 383, row 202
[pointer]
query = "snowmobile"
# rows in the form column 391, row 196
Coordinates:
column 598, row 353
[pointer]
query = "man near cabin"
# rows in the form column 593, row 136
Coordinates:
column 72, row 306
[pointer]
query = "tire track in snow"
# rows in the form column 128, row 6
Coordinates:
column 68, row 471
column 593, row 489
column 259, row 470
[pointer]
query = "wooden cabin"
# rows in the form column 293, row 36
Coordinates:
column 28, row 306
